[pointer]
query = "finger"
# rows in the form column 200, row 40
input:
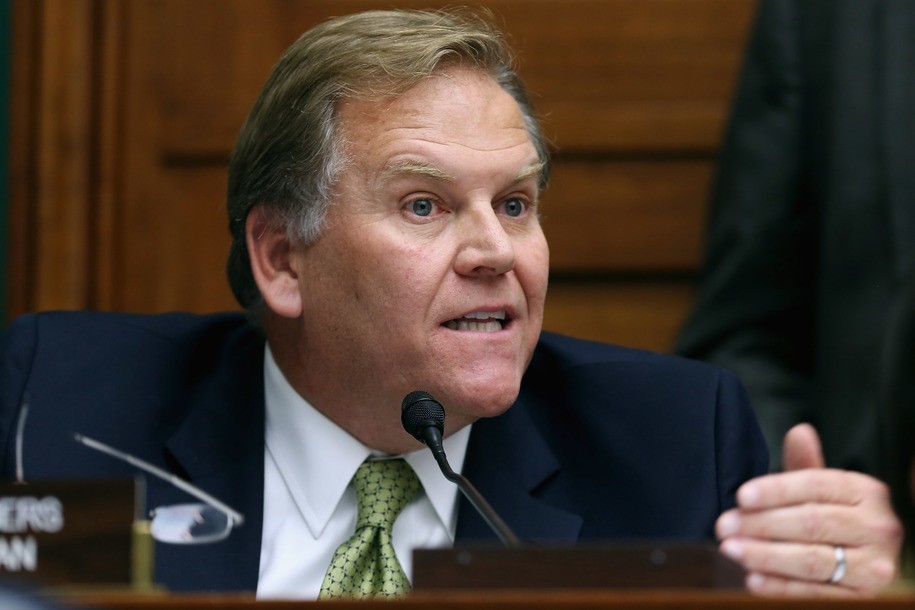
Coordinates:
column 777, row 586
column 799, row 486
column 802, row 448
column 867, row 569
column 813, row 563
column 829, row 524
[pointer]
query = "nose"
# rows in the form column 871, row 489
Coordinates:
column 486, row 249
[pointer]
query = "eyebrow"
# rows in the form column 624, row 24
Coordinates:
column 418, row 168
column 533, row 170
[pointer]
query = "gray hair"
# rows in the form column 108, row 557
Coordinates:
column 289, row 151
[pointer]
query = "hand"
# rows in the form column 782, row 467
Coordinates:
column 787, row 526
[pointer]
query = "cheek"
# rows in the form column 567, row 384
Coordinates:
column 533, row 271
column 399, row 281
column 340, row 284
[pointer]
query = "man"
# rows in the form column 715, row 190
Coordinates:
column 383, row 200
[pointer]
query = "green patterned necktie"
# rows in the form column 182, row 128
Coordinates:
column 366, row 565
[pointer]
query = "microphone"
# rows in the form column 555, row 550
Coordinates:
column 424, row 418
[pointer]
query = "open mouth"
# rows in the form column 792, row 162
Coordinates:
column 480, row 321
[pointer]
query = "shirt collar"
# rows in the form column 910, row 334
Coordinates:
column 302, row 440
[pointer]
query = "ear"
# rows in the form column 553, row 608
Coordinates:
column 270, row 252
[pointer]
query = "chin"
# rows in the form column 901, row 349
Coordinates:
column 480, row 400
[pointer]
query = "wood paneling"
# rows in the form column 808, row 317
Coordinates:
column 625, row 215
column 125, row 113
column 21, row 226
column 627, row 311
column 64, row 201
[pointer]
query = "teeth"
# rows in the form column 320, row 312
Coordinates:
column 486, row 315
column 490, row 321
column 487, row 327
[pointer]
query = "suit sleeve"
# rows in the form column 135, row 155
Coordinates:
column 17, row 350
column 754, row 309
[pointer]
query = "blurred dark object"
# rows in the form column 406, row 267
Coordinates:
column 897, row 416
column 14, row 598
column 812, row 224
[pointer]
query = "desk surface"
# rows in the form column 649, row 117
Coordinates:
column 508, row 600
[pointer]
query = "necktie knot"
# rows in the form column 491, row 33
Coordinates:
column 383, row 489
column 366, row 564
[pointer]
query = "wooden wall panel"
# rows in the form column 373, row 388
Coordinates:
column 184, row 244
column 631, row 75
column 21, row 226
column 626, row 215
column 55, row 110
column 628, row 311
column 108, row 235
column 139, row 103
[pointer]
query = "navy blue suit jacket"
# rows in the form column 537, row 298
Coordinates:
column 603, row 443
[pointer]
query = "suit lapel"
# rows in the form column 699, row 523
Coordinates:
column 220, row 447
column 508, row 460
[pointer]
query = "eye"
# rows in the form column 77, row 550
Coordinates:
column 514, row 207
column 421, row 207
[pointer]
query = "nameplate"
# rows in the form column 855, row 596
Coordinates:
column 630, row 566
column 67, row 532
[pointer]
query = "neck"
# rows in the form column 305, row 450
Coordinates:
column 373, row 420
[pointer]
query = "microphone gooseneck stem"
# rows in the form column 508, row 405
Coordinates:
column 433, row 438
column 492, row 518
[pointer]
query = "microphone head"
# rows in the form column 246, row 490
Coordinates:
column 420, row 411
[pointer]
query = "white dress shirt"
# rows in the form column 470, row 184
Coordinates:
column 310, row 505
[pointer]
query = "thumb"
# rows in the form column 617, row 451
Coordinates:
column 802, row 448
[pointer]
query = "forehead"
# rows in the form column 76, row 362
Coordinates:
column 453, row 112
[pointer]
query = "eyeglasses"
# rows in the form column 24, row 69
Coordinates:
column 210, row 521
column 189, row 524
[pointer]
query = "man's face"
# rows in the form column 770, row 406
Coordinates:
column 432, row 271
